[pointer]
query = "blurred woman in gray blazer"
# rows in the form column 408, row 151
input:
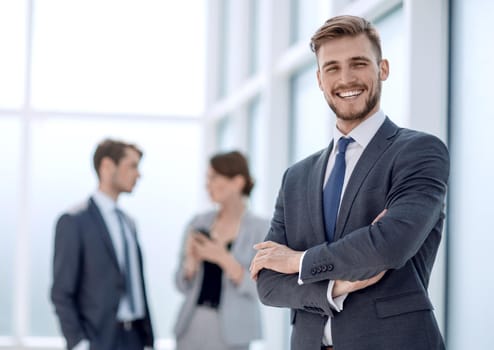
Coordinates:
column 221, row 310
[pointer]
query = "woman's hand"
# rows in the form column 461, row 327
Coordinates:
column 215, row 252
column 192, row 260
column 207, row 249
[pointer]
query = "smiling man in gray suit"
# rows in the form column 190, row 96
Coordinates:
column 357, row 226
column 98, row 284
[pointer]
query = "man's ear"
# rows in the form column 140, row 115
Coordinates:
column 318, row 74
column 107, row 166
column 383, row 69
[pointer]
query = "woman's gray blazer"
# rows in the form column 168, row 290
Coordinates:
column 239, row 309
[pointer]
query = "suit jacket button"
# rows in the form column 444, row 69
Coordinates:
column 313, row 271
column 324, row 268
column 319, row 269
column 330, row 267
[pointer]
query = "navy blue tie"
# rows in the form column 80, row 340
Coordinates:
column 332, row 190
column 128, row 271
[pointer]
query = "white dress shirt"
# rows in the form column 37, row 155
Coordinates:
column 362, row 135
column 107, row 208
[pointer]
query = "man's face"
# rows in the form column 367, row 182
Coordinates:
column 350, row 77
column 126, row 173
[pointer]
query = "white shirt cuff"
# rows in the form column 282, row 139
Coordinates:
column 300, row 282
column 82, row 345
column 335, row 303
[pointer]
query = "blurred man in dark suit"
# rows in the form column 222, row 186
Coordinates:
column 98, row 285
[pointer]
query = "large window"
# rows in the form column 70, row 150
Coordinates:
column 117, row 57
column 71, row 75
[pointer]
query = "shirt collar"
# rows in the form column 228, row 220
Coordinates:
column 104, row 202
column 364, row 132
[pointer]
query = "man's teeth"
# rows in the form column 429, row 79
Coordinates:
column 350, row 93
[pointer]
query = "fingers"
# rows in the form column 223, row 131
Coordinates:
column 370, row 281
column 258, row 263
column 378, row 277
column 254, row 274
column 200, row 238
column 381, row 214
column 255, row 267
column 265, row 245
column 259, row 260
column 341, row 287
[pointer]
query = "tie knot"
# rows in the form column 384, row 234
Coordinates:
column 343, row 143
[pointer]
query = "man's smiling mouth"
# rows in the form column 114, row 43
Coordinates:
column 349, row 94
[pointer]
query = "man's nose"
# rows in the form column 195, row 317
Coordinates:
column 347, row 75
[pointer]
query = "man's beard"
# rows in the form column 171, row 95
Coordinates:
column 369, row 106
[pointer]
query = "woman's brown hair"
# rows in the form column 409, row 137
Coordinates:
column 231, row 164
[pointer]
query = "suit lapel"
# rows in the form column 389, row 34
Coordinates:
column 379, row 143
column 316, row 179
column 105, row 234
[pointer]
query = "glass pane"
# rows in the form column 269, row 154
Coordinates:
column 306, row 17
column 119, row 56
column 226, row 134
column 13, row 53
column 311, row 120
column 225, row 38
column 392, row 30
column 257, row 147
column 10, row 134
column 164, row 199
column 255, row 52
column 471, row 192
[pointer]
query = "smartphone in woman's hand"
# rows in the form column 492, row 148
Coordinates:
column 204, row 232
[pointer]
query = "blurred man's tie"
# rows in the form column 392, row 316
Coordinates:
column 127, row 267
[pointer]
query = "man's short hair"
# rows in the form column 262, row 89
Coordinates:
column 342, row 26
column 113, row 149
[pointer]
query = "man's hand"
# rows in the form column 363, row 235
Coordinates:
column 276, row 257
column 381, row 214
column 345, row 287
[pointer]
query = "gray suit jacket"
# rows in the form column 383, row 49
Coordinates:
column 87, row 281
column 402, row 170
column 239, row 309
